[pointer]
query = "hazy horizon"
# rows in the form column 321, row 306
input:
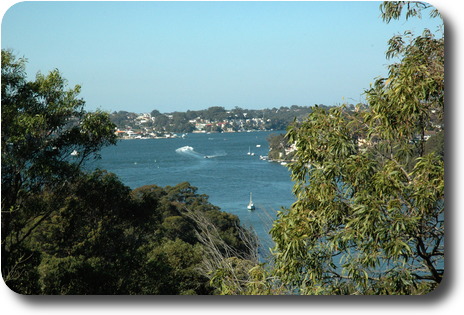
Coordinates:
column 178, row 56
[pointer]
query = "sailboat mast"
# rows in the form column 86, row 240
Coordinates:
column 251, row 206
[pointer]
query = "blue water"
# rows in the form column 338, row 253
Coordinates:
column 227, row 176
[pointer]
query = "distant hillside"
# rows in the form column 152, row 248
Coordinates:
column 213, row 119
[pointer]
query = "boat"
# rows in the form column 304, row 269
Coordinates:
column 249, row 152
column 74, row 153
column 251, row 206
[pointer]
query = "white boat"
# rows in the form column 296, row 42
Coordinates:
column 251, row 206
column 249, row 152
column 74, row 153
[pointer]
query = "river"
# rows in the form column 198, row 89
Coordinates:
column 228, row 175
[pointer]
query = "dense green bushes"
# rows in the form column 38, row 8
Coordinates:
column 66, row 231
column 103, row 238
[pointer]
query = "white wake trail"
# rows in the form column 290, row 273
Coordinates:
column 189, row 151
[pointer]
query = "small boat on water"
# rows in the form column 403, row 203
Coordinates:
column 251, row 206
column 74, row 153
column 249, row 152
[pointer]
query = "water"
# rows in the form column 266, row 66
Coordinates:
column 227, row 175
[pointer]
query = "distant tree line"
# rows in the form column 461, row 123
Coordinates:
column 369, row 183
column 236, row 118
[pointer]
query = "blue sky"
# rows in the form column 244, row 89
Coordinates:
column 174, row 56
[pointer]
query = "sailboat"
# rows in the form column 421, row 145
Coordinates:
column 249, row 151
column 251, row 206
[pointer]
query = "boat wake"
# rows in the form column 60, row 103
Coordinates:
column 189, row 151
column 216, row 154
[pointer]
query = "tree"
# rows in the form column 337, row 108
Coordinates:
column 123, row 118
column 180, row 123
column 278, row 144
column 162, row 123
column 215, row 113
column 69, row 230
column 224, row 263
column 369, row 216
column 87, row 245
column 42, row 124
column 183, row 237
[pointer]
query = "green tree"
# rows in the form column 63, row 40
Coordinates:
column 215, row 113
column 87, row 244
column 369, row 216
column 162, row 123
column 185, row 239
column 42, row 124
column 123, row 119
column 66, row 230
column 172, row 268
column 278, row 144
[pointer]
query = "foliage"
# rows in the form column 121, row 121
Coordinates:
column 393, row 9
column 369, row 216
column 236, row 118
column 42, row 123
column 279, row 148
column 70, row 231
column 227, row 266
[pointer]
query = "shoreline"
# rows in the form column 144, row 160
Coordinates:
column 183, row 135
